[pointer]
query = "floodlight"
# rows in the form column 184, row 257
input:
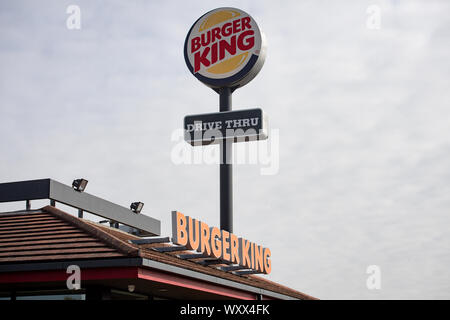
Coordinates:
column 136, row 207
column 79, row 184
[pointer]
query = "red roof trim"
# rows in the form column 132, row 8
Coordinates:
column 180, row 281
column 61, row 275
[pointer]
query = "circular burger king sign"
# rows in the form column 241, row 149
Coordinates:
column 225, row 48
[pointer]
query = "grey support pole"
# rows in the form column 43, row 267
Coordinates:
column 226, row 169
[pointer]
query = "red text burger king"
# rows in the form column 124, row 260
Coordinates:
column 225, row 48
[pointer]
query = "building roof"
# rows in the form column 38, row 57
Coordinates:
column 51, row 235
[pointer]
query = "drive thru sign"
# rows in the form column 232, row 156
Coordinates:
column 240, row 125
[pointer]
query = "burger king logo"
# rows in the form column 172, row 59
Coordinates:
column 225, row 48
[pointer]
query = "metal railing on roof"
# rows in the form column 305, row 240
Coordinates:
column 58, row 192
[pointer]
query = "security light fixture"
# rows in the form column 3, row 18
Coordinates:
column 79, row 184
column 136, row 207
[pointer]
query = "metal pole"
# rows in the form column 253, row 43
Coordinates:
column 226, row 169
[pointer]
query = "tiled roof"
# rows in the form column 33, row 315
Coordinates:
column 42, row 236
column 50, row 234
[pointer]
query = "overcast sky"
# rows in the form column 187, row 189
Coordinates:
column 363, row 116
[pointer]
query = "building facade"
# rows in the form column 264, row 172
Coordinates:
column 44, row 252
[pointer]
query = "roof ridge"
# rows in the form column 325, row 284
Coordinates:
column 94, row 231
column 112, row 230
column 20, row 213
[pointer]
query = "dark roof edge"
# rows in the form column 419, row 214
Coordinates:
column 62, row 265
column 103, row 236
